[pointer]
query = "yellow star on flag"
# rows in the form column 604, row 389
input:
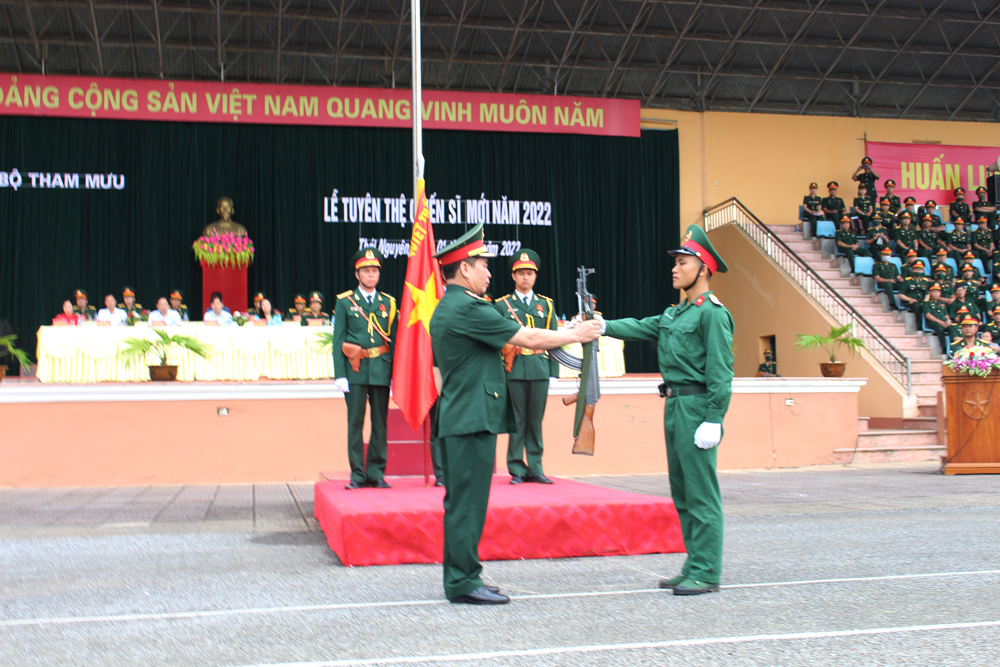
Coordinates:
column 424, row 303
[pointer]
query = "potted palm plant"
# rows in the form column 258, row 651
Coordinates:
column 7, row 348
column 137, row 349
column 832, row 342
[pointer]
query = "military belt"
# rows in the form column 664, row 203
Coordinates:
column 376, row 352
column 685, row 390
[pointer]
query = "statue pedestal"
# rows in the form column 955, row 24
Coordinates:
column 230, row 282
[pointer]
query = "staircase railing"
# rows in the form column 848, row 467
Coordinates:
column 733, row 212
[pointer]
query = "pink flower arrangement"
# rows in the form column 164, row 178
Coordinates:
column 227, row 250
column 976, row 360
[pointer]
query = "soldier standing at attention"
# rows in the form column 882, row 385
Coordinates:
column 468, row 334
column 695, row 353
column 833, row 206
column 366, row 320
column 532, row 371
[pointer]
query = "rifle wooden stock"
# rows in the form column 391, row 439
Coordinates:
column 509, row 352
column 584, row 442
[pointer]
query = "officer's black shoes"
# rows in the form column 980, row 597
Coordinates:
column 380, row 484
column 673, row 581
column 438, row 482
column 516, row 479
column 352, row 486
column 539, row 479
column 492, row 589
column 482, row 595
column 694, row 587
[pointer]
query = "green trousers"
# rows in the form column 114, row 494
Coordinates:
column 432, row 414
column 357, row 398
column 528, row 398
column 468, row 470
column 694, row 487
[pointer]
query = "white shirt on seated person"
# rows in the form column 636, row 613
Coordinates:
column 115, row 316
column 223, row 319
column 164, row 315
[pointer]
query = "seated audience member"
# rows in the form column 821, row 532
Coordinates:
column 163, row 315
column 316, row 312
column 957, row 241
column 987, row 337
column 958, row 209
column 847, row 243
column 111, row 313
column 217, row 312
column 132, row 309
column 887, row 276
column 67, row 317
column 877, row 238
column 268, row 314
column 910, row 206
column 915, row 289
column 833, row 206
column 884, row 215
column 973, row 293
column 969, row 338
column 984, row 208
column 995, row 295
column 962, row 301
column 177, row 303
column 890, row 188
column 982, row 241
column 865, row 176
column 909, row 261
column 863, row 210
column 906, row 236
column 928, row 243
column 994, row 326
column 83, row 308
column 298, row 309
column 969, row 259
column 936, row 315
column 930, row 208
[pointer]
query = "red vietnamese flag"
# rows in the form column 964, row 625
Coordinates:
column 413, row 387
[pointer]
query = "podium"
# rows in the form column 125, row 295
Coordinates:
column 230, row 282
column 973, row 409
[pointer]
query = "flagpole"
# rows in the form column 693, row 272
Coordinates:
column 416, row 112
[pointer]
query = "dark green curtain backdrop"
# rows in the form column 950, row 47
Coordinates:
column 614, row 202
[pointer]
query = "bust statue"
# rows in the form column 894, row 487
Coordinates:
column 225, row 224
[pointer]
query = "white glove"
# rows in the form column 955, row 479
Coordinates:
column 342, row 384
column 553, row 383
column 600, row 319
column 708, row 435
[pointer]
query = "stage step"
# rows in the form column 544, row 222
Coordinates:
column 887, row 445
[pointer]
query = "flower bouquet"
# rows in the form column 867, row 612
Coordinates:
column 240, row 318
column 225, row 250
column 976, row 360
column 138, row 316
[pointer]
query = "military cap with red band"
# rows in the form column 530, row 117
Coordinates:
column 367, row 257
column 525, row 259
column 127, row 292
column 177, row 294
column 471, row 244
column 696, row 244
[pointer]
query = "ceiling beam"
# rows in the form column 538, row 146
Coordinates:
column 97, row 40
column 730, row 47
column 625, row 43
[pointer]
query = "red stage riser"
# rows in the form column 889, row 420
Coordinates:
column 231, row 283
column 566, row 520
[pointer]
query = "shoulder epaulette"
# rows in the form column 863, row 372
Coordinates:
column 91, row 308
column 540, row 296
column 388, row 296
column 505, row 296
column 477, row 297
column 345, row 294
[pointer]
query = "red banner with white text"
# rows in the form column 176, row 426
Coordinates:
column 930, row 171
column 217, row 102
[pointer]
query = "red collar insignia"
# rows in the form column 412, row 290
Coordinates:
column 700, row 300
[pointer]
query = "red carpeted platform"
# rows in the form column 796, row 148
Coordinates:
column 564, row 520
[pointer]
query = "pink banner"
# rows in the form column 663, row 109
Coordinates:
column 215, row 102
column 930, row 171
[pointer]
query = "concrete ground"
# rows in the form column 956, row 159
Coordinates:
column 865, row 565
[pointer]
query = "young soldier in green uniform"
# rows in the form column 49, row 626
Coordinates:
column 936, row 315
column 972, row 286
column 982, row 241
column 866, row 177
column 315, row 313
column 297, row 312
column 365, row 318
column 531, row 372
column 962, row 301
column 958, row 209
column 768, row 368
column 884, row 215
column 890, row 188
column 928, row 244
column 132, row 309
column 833, row 206
column 695, row 352
column 906, row 236
column 847, row 243
column 177, row 303
column 82, row 307
column 982, row 207
column 887, row 276
column 939, row 263
column 877, row 238
column 907, row 270
column 957, row 241
column 994, row 326
column 942, row 278
column 468, row 334
column 812, row 206
column 864, row 209
column 914, row 289
column 969, row 337
column 930, row 208
column 969, row 260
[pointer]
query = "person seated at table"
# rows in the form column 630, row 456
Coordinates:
column 315, row 312
column 82, row 308
column 217, row 313
column 177, row 303
column 254, row 310
column 163, row 315
column 269, row 314
column 111, row 313
column 132, row 309
column 298, row 310
column 67, row 317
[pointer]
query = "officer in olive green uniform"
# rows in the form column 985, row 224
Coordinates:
column 812, row 205
column 82, row 307
column 928, row 242
column 847, row 243
column 915, row 289
column 315, row 312
column 468, row 334
column 877, row 237
column 529, row 376
column 367, row 318
column 958, row 209
column 864, row 209
column 907, row 270
column 962, row 301
column 695, row 352
column 994, row 326
column 970, row 335
column 887, row 276
column 982, row 241
column 177, row 303
column 983, row 207
column 866, row 177
column 894, row 204
column 957, row 241
column 768, row 368
column 132, row 309
column 905, row 236
column 936, row 315
column 930, row 208
column 298, row 309
column 833, row 206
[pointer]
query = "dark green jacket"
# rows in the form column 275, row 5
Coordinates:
column 540, row 314
column 813, row 204
column 885, row 270
column 694, row 346
column 359, row 327
column 467, row 334
column 960, row 210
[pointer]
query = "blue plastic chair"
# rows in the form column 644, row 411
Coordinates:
column 825, row 229
column 863, row 265
column 978, row 263
column 948, row 227
column 898, row 262
column 950, row 261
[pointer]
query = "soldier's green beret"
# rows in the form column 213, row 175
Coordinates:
column 471, row 244
column 367, row 257
column 526, row 259
column 696, row 244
